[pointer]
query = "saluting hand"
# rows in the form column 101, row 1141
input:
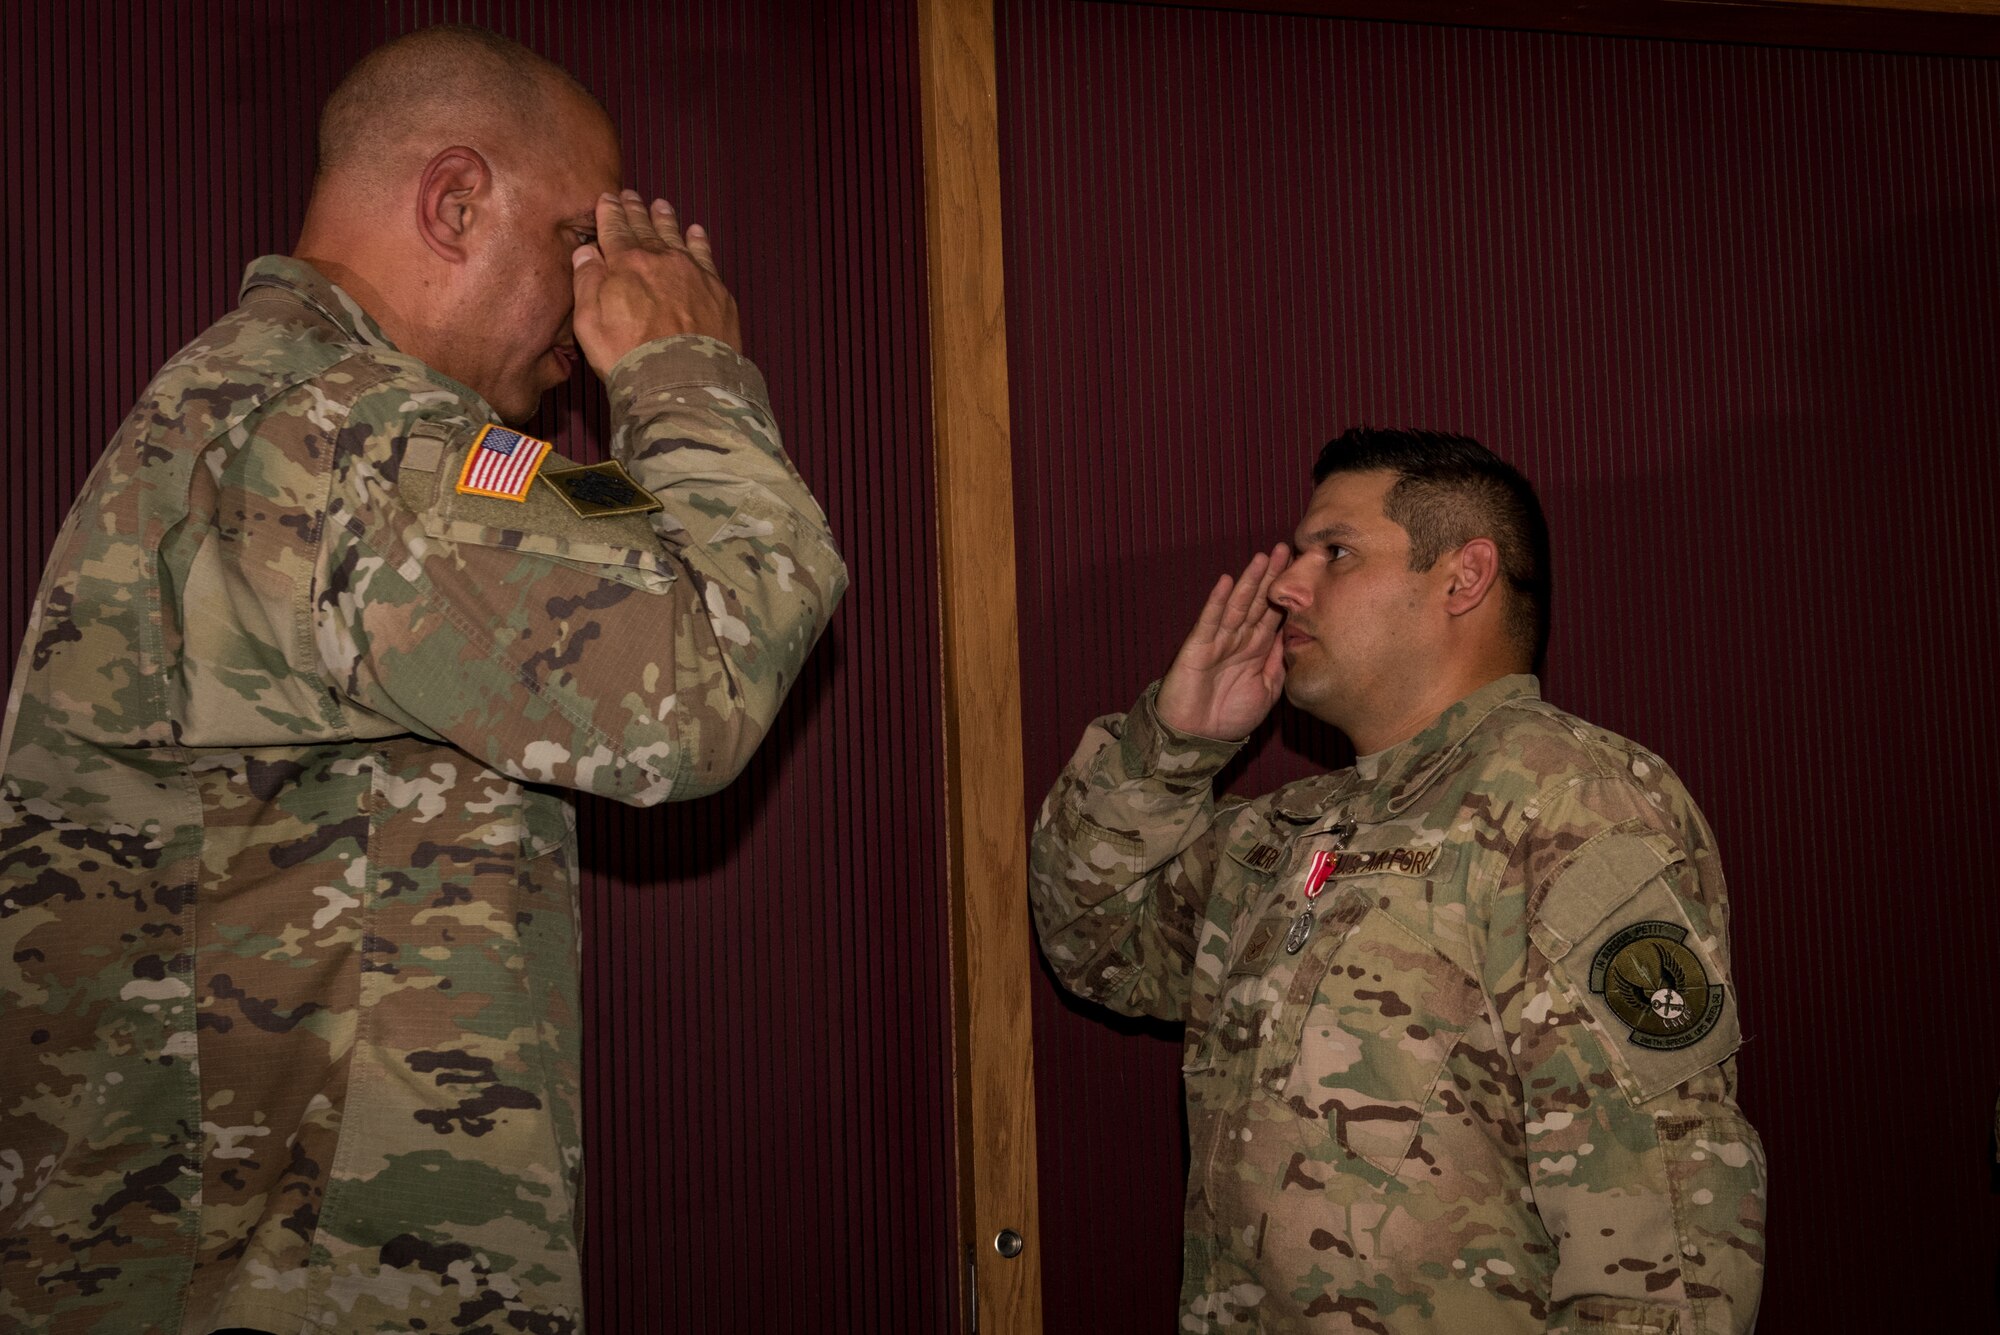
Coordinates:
column 643, row 281
column 1231, row 668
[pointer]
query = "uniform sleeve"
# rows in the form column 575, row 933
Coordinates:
column 639, row 656
column 1611, row 971
column 1121, row 860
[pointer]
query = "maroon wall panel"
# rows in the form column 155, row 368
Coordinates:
column 766, row 977
column 1734, row 309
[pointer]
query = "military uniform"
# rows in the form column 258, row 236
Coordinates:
column 288, row 993
column 1460, row 1024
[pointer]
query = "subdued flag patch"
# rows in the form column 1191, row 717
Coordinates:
column 502, row 463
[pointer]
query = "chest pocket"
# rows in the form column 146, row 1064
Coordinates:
column 1224, row 1013
column 1371, row 1017
column 623, row 548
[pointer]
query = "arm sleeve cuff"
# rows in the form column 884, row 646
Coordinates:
column 1154, row 748
column 683, row 361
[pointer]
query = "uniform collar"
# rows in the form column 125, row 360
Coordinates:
column 1405, row 770
column 334, row 304
column 312, row 287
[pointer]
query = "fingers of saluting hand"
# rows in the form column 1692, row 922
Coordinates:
column 627, row 222
column 615, row 230
column 665, row 224
column 1268, row 614
column 1243, row 601
column 1209, row 623
column 1241, row 608
column 1231, row 667
column 1251, row 604
column 701, row 248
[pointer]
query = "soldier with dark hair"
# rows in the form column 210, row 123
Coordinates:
column 1460, row 1022
column 1448, row 491
column 287, row 881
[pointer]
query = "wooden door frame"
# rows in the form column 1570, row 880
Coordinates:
column 986, row 821
column 993, row 964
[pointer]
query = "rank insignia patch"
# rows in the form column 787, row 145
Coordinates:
column 1653, row 982
column 502, row 464
column 597, row 491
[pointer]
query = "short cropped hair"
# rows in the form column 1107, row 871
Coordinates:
column 1449, row 490
column 444, row 75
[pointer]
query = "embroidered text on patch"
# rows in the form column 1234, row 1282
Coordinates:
column 1415, row 861
column 1657, row 986
column 502, row 464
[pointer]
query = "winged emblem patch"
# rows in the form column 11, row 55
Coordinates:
column 1657, row 985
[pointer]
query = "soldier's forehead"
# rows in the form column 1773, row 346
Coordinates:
column 1346, row 505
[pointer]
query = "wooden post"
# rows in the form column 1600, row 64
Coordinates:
column 992, row 967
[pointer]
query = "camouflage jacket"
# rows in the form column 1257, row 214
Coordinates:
column 288, row 993
column 1459, row 1024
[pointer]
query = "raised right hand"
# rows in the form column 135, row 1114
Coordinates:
column 1231, row 668
column 642, row 281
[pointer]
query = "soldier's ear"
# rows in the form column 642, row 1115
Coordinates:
column 456, row 184
column 1473, row 570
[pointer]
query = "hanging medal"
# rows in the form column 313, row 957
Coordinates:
column 1316, row 878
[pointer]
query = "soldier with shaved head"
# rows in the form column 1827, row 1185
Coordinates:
column 287, row 875
column 1461, row 1028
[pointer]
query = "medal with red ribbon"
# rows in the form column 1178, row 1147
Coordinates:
column 1317, row 875
column 1322, row 868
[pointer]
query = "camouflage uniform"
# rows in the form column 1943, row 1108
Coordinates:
column 1488, row 1084
column 288, row 926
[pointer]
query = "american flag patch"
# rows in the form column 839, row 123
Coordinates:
column 502, row 464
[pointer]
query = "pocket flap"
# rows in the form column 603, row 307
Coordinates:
column 1617, row 935
column 1600, row 876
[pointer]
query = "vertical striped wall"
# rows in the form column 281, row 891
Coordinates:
column 1734, row 310
column 766, row 973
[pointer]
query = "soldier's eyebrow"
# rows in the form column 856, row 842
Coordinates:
column 1320, row 537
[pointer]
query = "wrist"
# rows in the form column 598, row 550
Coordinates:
column 678, row 362
column 1155, row 746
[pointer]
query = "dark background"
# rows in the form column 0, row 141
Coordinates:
column 1734, row 310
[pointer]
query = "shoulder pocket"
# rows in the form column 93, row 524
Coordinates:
column 1618, row 936
column 624, row 548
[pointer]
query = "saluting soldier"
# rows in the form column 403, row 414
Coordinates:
column 1460, row 1021
column 288, row 999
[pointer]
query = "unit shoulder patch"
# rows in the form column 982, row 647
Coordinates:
column 1657, row 991
column 598, row 491
column 1656, row 985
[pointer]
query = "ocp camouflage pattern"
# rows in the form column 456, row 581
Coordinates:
column 288, row 918
column 1422, row 1119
